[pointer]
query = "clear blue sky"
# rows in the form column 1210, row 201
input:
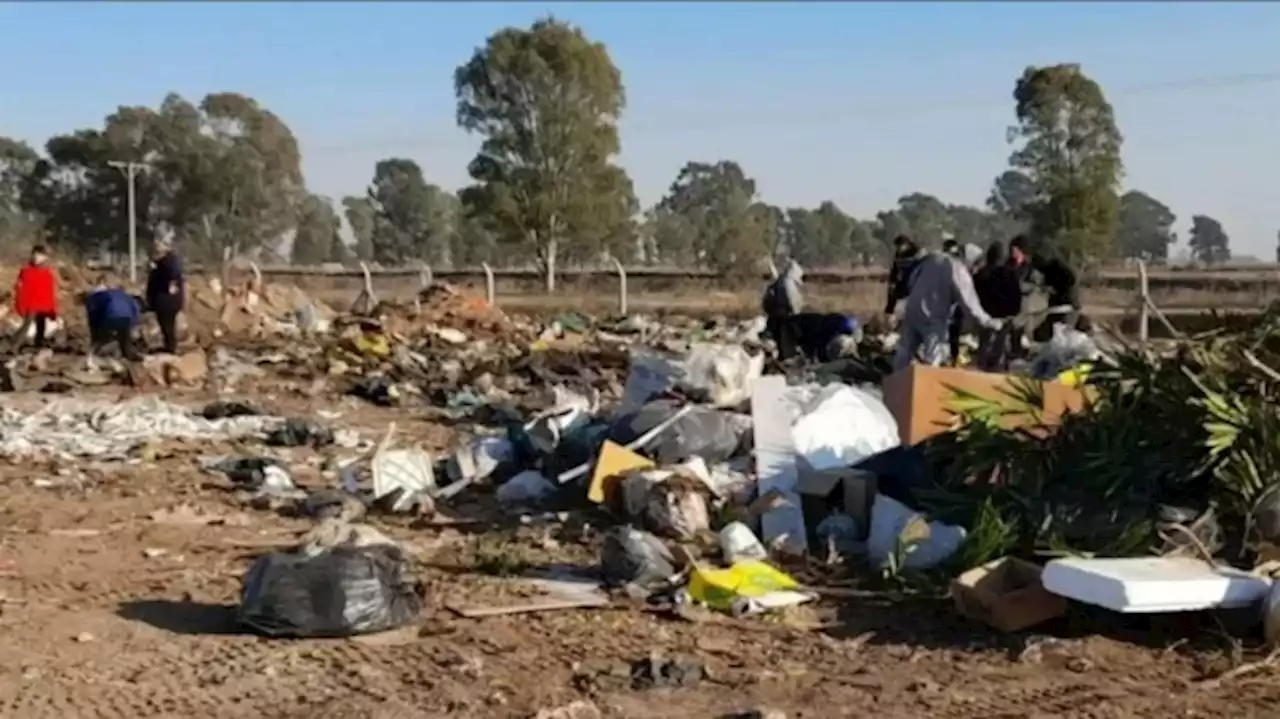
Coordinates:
column 854, row 102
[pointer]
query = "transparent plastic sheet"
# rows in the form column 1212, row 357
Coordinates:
column 340, row 592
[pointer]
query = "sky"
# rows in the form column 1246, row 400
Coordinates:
column 858, row 103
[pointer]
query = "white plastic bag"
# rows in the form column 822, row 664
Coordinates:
column 889, row 518
column 722, row 373
column 839, row 426
column 1068, row 348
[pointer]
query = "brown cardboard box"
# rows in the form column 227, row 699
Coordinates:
column 918, row 398
column 1006, row 594
column 853, row 490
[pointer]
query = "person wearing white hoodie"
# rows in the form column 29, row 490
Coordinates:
column 940, row 285
column 782, row 300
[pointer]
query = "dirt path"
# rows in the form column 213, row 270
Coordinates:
column 108, row 613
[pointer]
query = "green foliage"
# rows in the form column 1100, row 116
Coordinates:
column 1209, row 242
column 711, row 219
column 317, row 238
column 1196, row 426
column 221, row 176
column 1146, row 228
column 547, row 102
column 1070, row 151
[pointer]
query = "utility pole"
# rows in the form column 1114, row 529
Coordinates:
column 130, row 170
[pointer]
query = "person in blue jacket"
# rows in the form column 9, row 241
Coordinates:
column 113, row 316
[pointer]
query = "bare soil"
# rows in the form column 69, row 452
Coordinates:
column 110, row 613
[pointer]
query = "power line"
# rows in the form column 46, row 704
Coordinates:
column 881, row 108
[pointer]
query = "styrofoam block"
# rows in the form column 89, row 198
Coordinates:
column 1153, row 584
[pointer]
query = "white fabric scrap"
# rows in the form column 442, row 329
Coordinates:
column 109, row 430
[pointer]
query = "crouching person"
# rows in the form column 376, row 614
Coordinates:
column 826, row 336
column 114, row 315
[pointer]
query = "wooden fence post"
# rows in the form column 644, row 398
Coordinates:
column 622, row 288
column 490, row 291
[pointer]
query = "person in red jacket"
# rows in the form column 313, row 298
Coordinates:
column 35, row 297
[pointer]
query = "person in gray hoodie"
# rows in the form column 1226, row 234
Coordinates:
column 941, row 285
column 781, row 302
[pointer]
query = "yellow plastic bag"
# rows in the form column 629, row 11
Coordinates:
column 1075, row 376
column 376, row 345
column 749, row 579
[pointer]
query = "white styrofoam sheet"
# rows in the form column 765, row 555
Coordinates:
column 776, row 464
column 1153, row 584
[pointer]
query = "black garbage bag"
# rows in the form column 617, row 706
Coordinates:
column 714, row 435
column 899, row 472
column 247, row 472
column 340, row 592
column 379, row 390
column 227, row 410
column 299, row 433
column 634, row 556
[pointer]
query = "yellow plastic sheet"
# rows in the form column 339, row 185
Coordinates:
column 749, row 579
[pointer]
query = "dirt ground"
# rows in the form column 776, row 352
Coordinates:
column 111, row 611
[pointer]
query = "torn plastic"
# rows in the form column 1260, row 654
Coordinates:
column 528, row 487
column 340, row 592
column 633, row 556
column 404, row 476
column 299, row 433
column 738, row 542
column 720, row 374
column 1067, row 348
column 480, row 458
column 670, row 504
column 110, row 430
column 714, row 435
column 649, row 376
column 839, row 426
column 893, row 536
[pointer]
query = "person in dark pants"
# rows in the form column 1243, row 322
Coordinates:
column 956, row 327
column 113, row 316
column 782, row 300
column 906, row 256
column 999, row 290
column 35, row 296
column 166, row 292
column 1061, row 285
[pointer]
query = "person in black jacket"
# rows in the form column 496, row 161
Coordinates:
column 906, row 254
column 1061, row 285
column 166, row 293
column 999, row 290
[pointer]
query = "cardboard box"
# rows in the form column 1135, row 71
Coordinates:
column 850, row 490
column 1006, row 594
column 918, row 397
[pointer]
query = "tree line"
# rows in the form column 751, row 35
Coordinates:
column 223, row 178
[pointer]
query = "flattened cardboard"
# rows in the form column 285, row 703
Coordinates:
column 614, row 461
